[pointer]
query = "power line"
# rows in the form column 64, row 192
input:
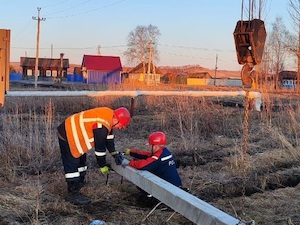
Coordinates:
column 48, row 6
column 195, row 48
column 75, row 48
column 83, row 12
column 198, row 57
column 74, row 6
column 22, row 32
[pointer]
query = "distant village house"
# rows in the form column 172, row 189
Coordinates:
column 288, row 79
column 46, row 67
column 98, row 69
column 145, row 73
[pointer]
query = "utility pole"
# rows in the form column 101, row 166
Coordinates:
column 37, row 46
column 51, row 51
column 99, row 50
column 260, row 9
column 151, row 63
column 216, row 67
column 61, row 65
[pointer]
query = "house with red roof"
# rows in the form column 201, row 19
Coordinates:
column 98, row 69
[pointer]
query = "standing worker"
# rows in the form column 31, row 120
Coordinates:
column 82, row 132
column 158, row 161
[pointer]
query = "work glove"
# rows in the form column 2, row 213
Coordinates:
column 124, row 163
column 104, row 170
column 126, row 151
column 118, row 157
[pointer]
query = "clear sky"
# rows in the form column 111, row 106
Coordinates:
column 193, row 32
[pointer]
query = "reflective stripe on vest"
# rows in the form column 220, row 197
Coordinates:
column 82, row 169
column 75, row 135
column 109, row 137
column 166, row 158
column 87, row 141
column 84, row 132
column 72, row 175
column 100, row 153
column 79, row 128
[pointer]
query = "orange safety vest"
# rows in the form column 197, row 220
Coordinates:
column 79, row 128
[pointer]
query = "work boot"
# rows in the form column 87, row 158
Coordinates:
column 74, row 196
column 78, row 199
column 146, row 200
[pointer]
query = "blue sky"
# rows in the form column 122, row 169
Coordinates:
column 193, row 32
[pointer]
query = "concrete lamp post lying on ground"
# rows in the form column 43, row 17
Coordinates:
column 191, row 207
column 256, row 96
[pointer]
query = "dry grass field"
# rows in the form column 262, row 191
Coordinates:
column 252, row 174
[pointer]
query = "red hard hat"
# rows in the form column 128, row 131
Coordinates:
column 157, row 138
column 122, row 115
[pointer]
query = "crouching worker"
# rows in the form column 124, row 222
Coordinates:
column 159, row 160
column 82, row 132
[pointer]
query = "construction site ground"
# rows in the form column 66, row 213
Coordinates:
column 247, row 165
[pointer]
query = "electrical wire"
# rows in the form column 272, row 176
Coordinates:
column 72, row 7
column 196, row 48
column 58, row 3
column 82, row 12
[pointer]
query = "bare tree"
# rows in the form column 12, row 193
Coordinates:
column 138, row 44
column 265, row 67
column 294, row 47
column 278, row 39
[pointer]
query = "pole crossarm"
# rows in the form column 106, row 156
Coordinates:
column 256, row 96
column 191, row 207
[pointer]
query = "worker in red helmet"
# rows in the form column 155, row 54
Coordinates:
column 81, row 132
column 159, row 160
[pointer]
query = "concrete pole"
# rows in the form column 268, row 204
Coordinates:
column 255, row 95
column 186, row 204
column 37, row 46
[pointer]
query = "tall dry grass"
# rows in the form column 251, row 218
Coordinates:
column 206, row 136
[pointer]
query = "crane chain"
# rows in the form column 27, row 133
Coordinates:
column 245, row 143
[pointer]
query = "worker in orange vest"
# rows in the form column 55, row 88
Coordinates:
column 82, row 132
